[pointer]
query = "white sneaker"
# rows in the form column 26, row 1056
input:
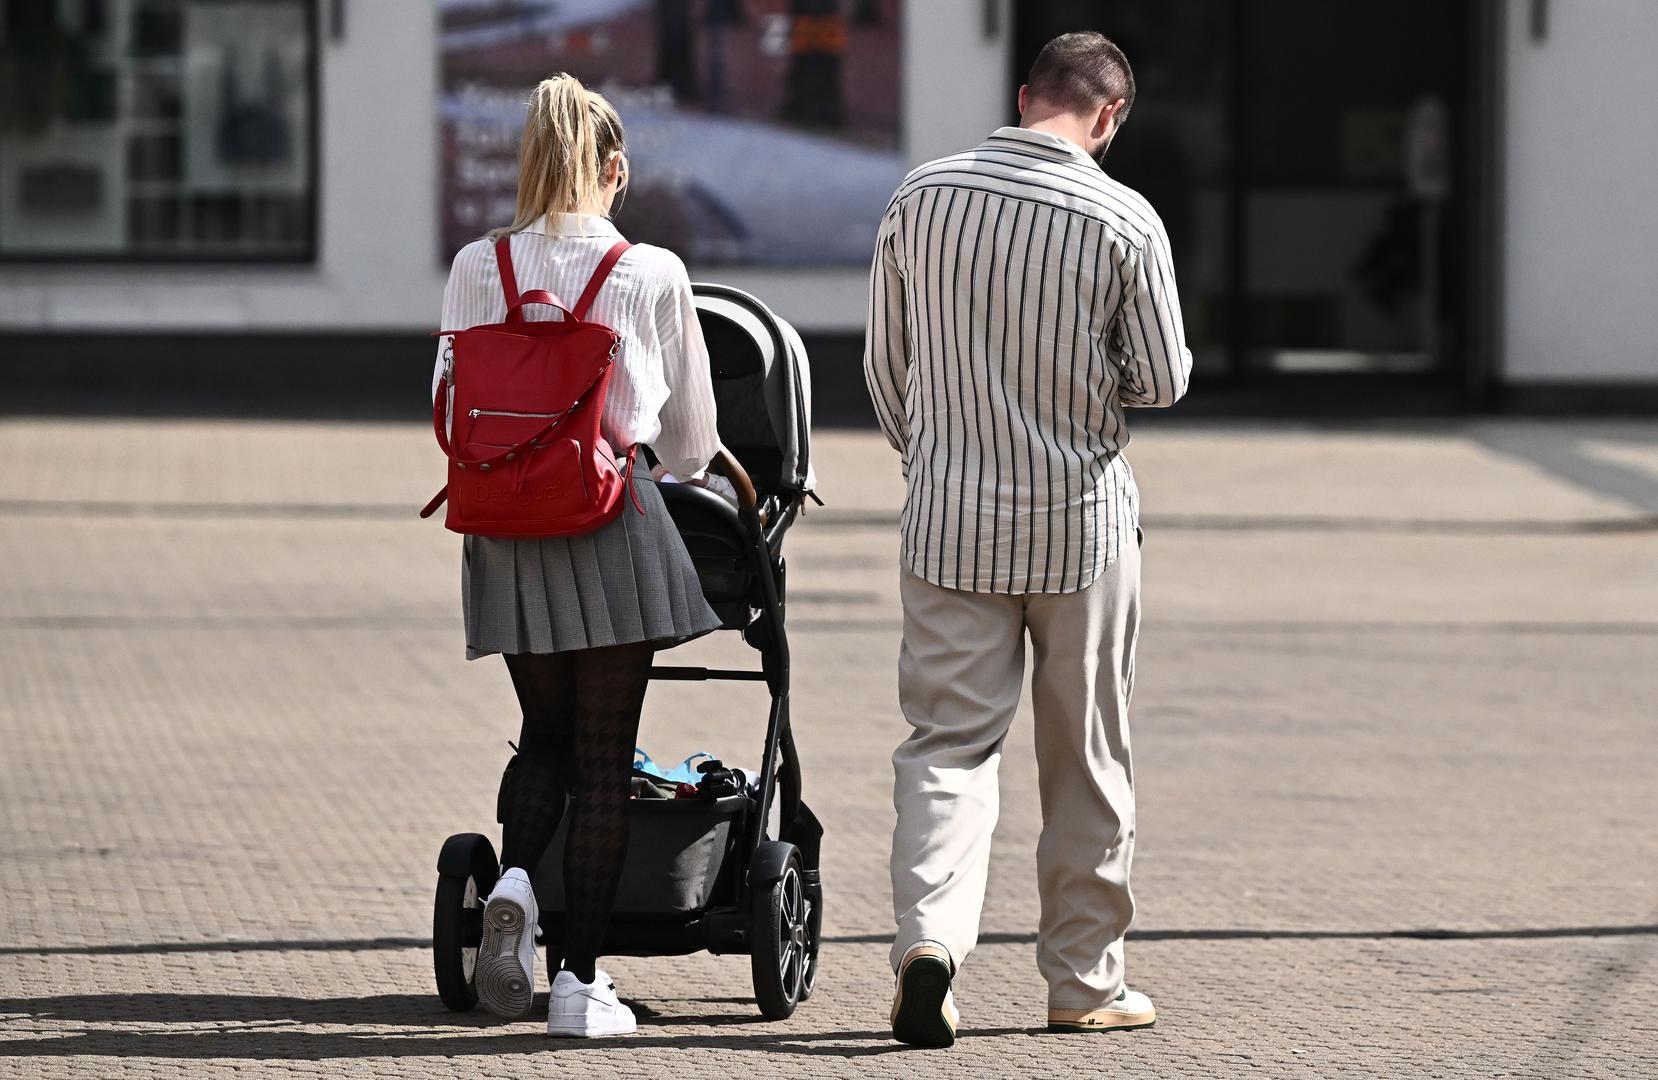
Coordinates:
column 1132, row 1009
column 585, row 1010
column 506, row 957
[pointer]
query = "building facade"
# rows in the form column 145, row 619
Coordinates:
column 1447, row 204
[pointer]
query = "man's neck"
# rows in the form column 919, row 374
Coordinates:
column 1065, row 127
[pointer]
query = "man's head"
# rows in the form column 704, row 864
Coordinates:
column 1081, row 88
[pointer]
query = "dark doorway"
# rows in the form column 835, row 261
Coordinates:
column 1312, row 163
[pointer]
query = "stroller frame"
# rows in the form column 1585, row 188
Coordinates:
column 768, row 899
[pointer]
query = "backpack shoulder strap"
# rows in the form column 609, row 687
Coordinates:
column 606, row 264
column 503, row 260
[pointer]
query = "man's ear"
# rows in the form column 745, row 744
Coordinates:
column 1102, row 121
column 1024, row 95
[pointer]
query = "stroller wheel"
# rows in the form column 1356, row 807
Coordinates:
column 466, row 874
column 814, row 934
column 783, row 949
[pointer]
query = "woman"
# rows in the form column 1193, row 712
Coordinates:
column 579, row 618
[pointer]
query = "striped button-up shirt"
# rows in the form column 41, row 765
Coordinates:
column 1019, row 299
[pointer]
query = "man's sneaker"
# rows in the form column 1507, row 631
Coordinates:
column 923, row 1009
column 581, row 1010
column 506, row 956
column 1132, row 1009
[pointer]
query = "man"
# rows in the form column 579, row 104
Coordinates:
column 1020, row 299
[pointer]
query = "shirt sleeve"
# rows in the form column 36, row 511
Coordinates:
column 886, row 357
column 444, row 343
column 461, row 301
column 1148, row 339
column 690, row 435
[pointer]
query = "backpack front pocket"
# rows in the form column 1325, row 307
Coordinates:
column 545, row 480
column 499, row 428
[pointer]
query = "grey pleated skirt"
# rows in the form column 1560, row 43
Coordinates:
column 630, row 581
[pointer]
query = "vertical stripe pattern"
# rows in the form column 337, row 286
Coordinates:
column 1019, row 300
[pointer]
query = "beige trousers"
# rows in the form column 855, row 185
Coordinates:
column 960, row 673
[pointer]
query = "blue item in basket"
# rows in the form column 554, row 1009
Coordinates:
column 683, row 773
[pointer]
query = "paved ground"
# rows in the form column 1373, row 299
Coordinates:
column 1394, row 735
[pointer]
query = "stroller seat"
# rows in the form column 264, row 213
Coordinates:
column 762, row 389
column 714, row 536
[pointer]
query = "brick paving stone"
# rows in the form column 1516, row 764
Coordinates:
column 237, row 725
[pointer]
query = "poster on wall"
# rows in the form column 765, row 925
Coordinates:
column 760, row 132
column 245, row 97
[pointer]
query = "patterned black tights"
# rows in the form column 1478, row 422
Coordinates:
column 581, row 723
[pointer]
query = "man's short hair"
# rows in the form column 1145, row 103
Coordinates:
column 1082, row 72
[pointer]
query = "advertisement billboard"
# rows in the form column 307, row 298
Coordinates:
column 760, row 132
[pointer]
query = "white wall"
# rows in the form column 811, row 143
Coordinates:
column 377, row 268
column 1581, row 205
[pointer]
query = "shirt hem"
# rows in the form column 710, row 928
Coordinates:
column 945, row 581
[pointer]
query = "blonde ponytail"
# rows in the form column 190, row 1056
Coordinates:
column 569, row 133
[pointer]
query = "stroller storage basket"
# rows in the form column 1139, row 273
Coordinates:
column 676, row 849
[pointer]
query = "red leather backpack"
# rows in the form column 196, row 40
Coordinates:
column 526, row 458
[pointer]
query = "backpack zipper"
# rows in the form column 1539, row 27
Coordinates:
column 475, row 413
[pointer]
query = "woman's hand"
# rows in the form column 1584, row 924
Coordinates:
column 725, row 477
column 719, row 485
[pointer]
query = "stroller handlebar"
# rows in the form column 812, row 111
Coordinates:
column 726, row 464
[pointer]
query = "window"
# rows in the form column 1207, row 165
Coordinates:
column 157, row 129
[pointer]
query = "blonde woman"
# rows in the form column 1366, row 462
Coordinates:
column 578, row 619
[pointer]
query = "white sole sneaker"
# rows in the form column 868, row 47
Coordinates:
column 1131, row 1010
column 564, row 1029
column 504, row 987
column 578, row 1010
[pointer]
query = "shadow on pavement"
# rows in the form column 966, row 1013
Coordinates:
column 1027, row 938
column 1426, row 934
column 255, row 1026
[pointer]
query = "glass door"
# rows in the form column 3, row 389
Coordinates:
column 1351, row 202
column 1309, row 160
column 1176, row 148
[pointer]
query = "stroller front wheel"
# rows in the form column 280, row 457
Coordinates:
column 783, row 949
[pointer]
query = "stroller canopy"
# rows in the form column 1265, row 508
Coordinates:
column 762, row 385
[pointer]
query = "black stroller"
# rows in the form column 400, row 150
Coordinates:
column 734, row 874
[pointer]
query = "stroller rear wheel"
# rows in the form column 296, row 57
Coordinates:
column 466, row 874
column 783, row 946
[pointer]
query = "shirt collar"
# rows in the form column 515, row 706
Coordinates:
column 1051, row 146
column 575, row 225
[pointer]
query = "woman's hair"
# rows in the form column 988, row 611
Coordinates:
column 569, row 133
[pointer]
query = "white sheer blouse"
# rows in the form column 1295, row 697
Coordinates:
column 662, row 394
